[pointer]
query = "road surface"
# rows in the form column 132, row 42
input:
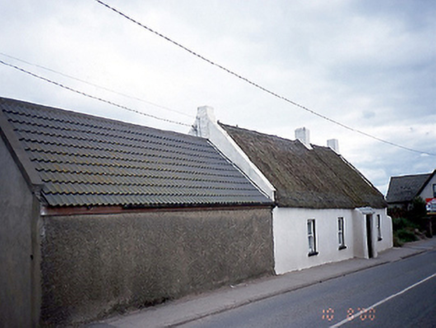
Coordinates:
column 398, row 294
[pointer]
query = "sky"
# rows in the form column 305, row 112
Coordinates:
column 368, row 65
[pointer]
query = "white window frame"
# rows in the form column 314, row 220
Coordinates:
column 379, row 234
column 311, row 237
column 341, row 233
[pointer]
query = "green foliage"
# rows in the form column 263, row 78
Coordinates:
column 397, row 212
column 406, row 235
column 397, row 241
column 406, row 224
column 418, row 210
column 402, row 223
column 404, row 231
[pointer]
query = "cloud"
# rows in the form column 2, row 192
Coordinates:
column 367, row 64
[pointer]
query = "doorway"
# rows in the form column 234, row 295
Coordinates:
column 369, row 235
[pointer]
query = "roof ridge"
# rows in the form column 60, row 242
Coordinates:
column 93, row 132
column 94, row 117
column 261, row 133
column 412, row 175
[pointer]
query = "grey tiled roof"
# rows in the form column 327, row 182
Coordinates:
column 85, row 160
column 405, row 188
column 317, row 178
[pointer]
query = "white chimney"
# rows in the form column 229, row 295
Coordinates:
column 333, row 144
column 205, row 116
column 303, row 135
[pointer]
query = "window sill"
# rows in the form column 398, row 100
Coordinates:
column 342, row 247
column 312, row 254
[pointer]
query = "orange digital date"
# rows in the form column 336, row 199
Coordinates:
column 364, row 314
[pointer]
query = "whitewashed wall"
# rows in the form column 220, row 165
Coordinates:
column 291, row 243
column 427, row 192
column 386, row 230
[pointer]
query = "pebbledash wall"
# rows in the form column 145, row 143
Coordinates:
column 291, row 240
column 93, row 265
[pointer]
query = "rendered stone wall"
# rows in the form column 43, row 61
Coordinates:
column 94, row 265
column 16, row 257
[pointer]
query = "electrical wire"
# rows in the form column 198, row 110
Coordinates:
column 96, row 85
column 258, row 86
column 91, row 96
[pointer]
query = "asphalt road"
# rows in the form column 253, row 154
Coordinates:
column 398, row 294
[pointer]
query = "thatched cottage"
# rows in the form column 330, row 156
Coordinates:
column 325, row 209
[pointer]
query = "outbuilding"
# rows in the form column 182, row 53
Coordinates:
column 99, row 216
column 403, row 189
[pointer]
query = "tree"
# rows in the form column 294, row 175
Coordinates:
column 418, row 210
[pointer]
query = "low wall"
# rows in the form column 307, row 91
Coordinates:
column 95, row 265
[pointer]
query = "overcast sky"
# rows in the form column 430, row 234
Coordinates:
column 370, row 65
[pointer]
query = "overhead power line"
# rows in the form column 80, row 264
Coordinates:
column 258, row 86
column 91, row 96
column 97, row 86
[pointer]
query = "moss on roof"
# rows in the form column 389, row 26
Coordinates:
column 317, row 178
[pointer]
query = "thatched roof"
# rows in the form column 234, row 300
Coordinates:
column 317, row 178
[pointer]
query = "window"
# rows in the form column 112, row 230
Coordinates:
column 311, row 237
column 379, row 235
column 341, row 238
column 434, row 191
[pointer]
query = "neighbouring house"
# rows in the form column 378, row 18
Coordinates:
column 326, row 210
column 403, row 189
column 100, row 216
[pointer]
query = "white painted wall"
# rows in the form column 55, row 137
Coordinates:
column 360, row 232
column 291, row 242
column 386, row 230
column 427, row 192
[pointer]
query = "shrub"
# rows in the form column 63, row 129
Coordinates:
column 404, row 231
column 402, row 223
column 406, row 235
column 418, row 210
column 397, row 241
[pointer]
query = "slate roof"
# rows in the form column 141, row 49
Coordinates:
column 85, row 160
column 317, row 178
column 404, row 188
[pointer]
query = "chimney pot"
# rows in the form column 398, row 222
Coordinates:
column 303, row 135
column 205, row 117
column 333, row 144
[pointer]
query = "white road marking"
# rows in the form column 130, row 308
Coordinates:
column 341, row 323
